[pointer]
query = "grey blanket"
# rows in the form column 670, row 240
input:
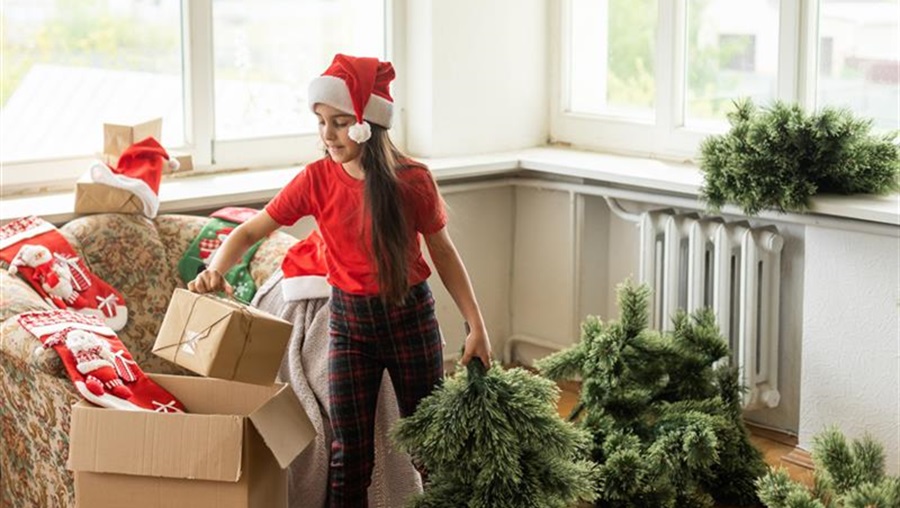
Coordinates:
column 305, row 367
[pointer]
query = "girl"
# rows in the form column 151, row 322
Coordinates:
column 371, row 203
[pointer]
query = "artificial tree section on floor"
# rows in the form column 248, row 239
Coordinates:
column 664, row 410
column 493, row 439
column 847, row 475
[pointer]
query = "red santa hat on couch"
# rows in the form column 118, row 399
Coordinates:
column 139, row 171
column 359, row 86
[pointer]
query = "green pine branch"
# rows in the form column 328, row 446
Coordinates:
column 665, row 418
column 847, row 475
column 781, row 156
column 493, row 438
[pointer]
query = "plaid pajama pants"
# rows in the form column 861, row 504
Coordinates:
column 368, row 337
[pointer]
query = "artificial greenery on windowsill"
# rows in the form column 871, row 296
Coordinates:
column 778, row 157
column 846, row 476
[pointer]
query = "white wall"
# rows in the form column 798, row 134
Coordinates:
column 559, row 269
column 481, row 225
column 851, row 338
column 476, row 77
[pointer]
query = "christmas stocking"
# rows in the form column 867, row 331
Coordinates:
column 36, row 250
column 200, row 252
column 97, row 362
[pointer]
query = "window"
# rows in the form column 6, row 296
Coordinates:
column 701, row 55
column 70, row 66
column 732, row 51
column 228, row 77
column 859, row 59
column 613, row 54
column 738, row 53
column 826, row 57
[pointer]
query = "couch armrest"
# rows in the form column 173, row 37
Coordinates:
column 16, row 296
column 19, row 347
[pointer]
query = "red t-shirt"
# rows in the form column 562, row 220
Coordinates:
column 325, row 191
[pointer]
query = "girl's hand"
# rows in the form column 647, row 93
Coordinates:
column 209, row 281
column 477, row 345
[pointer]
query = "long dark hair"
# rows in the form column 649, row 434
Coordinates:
column 384, row 199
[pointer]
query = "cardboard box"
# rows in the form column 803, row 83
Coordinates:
column 93, row 197
column 118, row 137
column 185, row 161
column 221, row 338
column 229, row 451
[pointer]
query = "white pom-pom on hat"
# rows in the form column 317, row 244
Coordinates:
column 360, row 132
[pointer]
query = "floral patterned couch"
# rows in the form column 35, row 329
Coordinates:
column 137, row 256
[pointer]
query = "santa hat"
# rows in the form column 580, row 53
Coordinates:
column 305, row 270
column 359, row 86
column 139, row 171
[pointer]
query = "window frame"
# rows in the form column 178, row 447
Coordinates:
column 198, row 87
column 668, row 137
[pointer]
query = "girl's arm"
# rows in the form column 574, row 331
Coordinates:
column 453, row 274
column 231, row 250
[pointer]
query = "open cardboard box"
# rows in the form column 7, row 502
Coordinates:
column 229, row 451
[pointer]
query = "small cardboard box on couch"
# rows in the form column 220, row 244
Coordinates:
column 228, row 451
column 222, row 339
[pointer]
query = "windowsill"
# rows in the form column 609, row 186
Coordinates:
column 181, row 195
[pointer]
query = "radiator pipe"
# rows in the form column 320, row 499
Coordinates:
column 531, row 341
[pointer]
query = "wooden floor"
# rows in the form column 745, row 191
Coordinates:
column 778, row 449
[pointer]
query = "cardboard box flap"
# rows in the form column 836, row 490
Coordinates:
column 203, row 447
column 216, row 396
column 284, row 426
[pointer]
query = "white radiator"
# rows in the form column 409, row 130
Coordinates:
column 691, row 263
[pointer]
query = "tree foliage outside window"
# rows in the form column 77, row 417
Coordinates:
column 89, row 33
column 632, row 43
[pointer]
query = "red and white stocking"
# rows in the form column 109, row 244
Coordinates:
column 36, row 250
column 97, row 362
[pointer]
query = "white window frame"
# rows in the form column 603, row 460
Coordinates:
column 666, row 137
column 209, row 154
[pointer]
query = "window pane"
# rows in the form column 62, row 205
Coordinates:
column 267, row 51
column 859, row 58
column 732, row 52
column 613, row 49
column 71, row 65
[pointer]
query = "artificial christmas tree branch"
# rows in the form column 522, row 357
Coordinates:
column 847, row 475
column 663, row 410
column 491, row 438
column 779, row 157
